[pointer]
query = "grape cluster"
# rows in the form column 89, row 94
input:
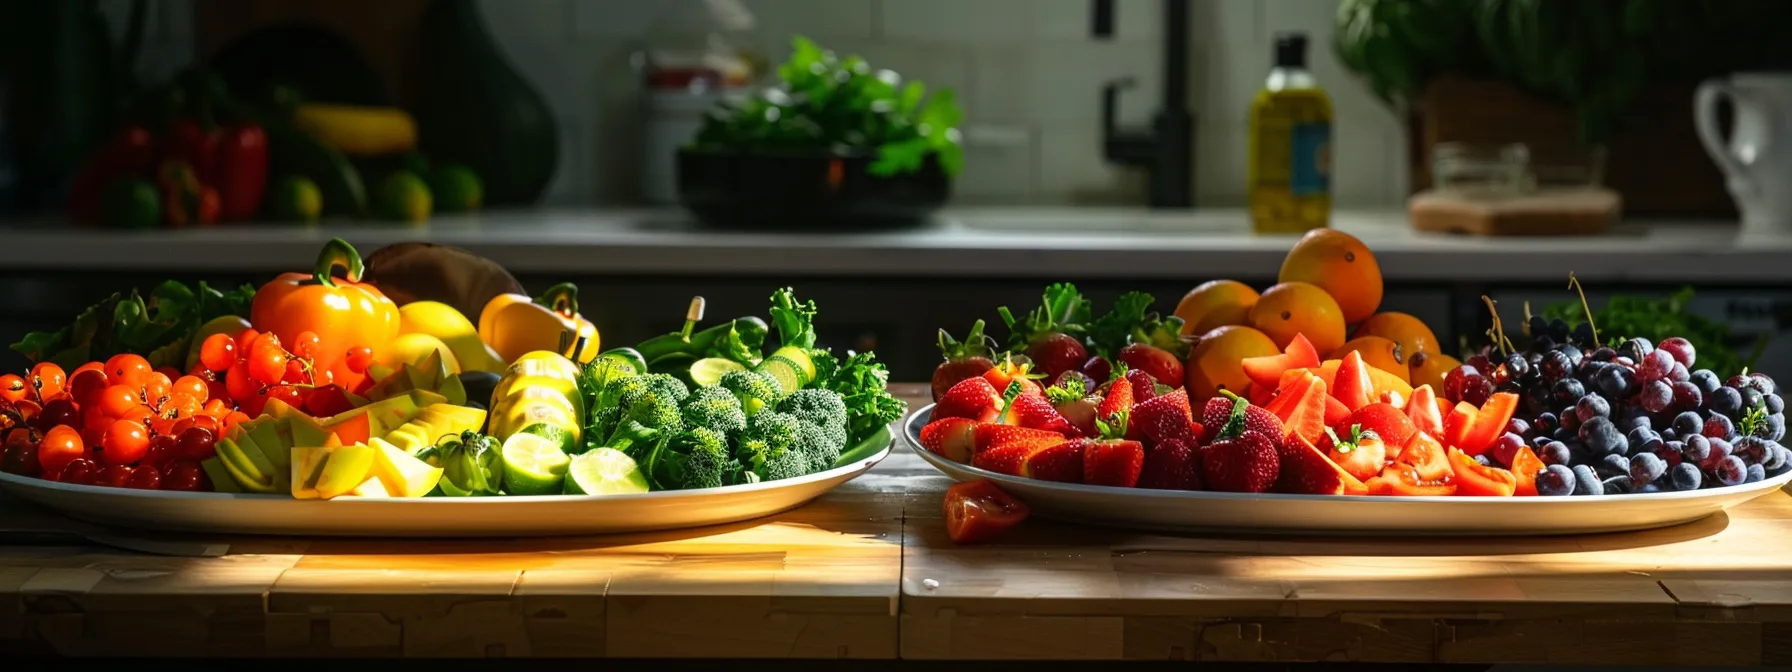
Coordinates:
column 1632, row 418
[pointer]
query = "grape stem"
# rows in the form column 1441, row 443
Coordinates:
column 1498, row 332
column 1574, row 284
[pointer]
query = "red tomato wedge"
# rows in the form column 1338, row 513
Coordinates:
column 1352, row 384
column 1266, row 372
column 1489, row 423
column 1458, row 422
column 1422, row 410
column 979, row 511
column 1525, row 467
column 1426, row 458
column 1474, row 480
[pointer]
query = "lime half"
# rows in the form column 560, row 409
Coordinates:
column 708, row 371
column 605, row 471
column 533, row 465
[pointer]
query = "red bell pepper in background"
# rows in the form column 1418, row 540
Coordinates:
column 130, row 153
column 241, row 166
column 194, row 144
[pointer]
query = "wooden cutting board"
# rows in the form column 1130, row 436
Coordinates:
column 1556, row 212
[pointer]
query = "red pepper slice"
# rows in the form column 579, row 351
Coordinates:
column 979, row 511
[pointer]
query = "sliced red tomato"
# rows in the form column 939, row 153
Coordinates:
column 1401, row 480
column 978, row 511
column 1474, row 480
column 1489, row 423
column 1525, row 467
column 1458, row 423
column 1426, row 458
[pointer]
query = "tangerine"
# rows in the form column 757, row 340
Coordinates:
column 1216, row 363
column 1378, row 352
column 1339, row 264
column 1214, row 304
column 1429, row 368
column 1410, row 332
column 1293, row 308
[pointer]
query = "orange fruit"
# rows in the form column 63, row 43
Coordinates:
column 1214, row 304
column 1293, row 308
column 1216, row 363
column 1428, row 368
column 1410, row 332
column 1378, row 352
column 1341, row 265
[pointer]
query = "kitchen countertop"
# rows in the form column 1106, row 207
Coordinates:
column 866, row 571
column 969, row 242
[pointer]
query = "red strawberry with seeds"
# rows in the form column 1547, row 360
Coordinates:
column 1248, row 463
column 1006, row 454
column 971, row 398
column 1166, row 418
column 1037, row 413
column 1068, row 399
column 1118, row 400
column 965, row 359
column 1161, row 364
column 1305, row 471
column 1062, row 463
column 1112, row 460
column 1049, row 332
column 1173, row 464
column 951, row 438
column 1008, row 371
column 1144, row 387
column 989, row 436
column 1215, row 412
column 1386, row 421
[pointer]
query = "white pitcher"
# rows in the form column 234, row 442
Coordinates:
column 1757, row 158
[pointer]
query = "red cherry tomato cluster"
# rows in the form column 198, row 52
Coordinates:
column 256, row 367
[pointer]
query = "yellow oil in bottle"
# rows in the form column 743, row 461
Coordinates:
column 1290, row 147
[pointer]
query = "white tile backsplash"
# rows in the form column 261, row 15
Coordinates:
column 1028, row 73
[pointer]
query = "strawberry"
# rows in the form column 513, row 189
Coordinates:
column 991, row 436
column 1050, row 333
column 969, row 358
column 1173, row 465
column 1247, row 463
column 971, row 398
column 1166, row 418
column 1062, row 463
column 950, row 438
column 1153, row 360
column 1037, row 413
column 1385, row 420
column 1008, row 371
column 1118, row 400
column 1144, row 387
column 1006, row 454
column 1221, row 413
column 1362, row 454
column 1068, row 400
column 1112, row 460
column 1213, row 414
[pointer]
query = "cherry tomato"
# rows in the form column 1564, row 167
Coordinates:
column 195, row 444
column 208, row 423
column 304, row 345
column 254, row 405
column 169, row 371
column 235, row 418
column 140, row 414
column 127, row 369
column 193, row 387
column 978, row 511
column 21, row 459
column 119, row 400
column 145, row 478
column 293, row 396
column 216, row 390
column 242, row 386
column 59, row 447
column 86, row 386
column 156, row 388
column 79, row 471
column 327, row 401
column 217, row 353
column 126, row 442
column 90, row 366
column 27, row 409
column 179, row 406
column 48, row 380
column 58, row 412
column 267, row 364
column 360, row 359
column 115, row 475
column 185, row 476
column 244, row 339
column 13, row 388
column 214, row 408
column 161, row 451
column 295, row 372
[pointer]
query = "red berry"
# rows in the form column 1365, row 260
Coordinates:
column 217, row 353
column 146, row 478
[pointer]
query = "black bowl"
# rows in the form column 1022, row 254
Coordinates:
column 805, row 190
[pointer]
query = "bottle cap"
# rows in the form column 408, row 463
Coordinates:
column 1291, row 50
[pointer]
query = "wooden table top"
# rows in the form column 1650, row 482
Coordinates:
column 867, row 572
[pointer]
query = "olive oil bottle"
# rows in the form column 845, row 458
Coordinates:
column 1290, row 147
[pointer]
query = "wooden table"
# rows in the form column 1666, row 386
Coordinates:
column 867, row 572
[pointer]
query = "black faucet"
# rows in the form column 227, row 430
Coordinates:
column 1167, row 150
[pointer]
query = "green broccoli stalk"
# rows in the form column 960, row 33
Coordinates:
column 716, row 409
column 755, row 391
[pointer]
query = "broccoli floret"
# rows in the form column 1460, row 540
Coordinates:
column 647, row 420
column 599, row 376
column 715, row 408
column 786, row 464
column 698, row 458
column 820, row 408
column 776, row 429
column 815, row 446
column 756, row 391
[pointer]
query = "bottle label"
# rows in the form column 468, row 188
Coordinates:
column 1311, row 172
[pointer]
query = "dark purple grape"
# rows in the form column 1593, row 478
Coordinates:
column 1756, row 473
column 1655, row 366
column 1774, row 403
column 1705, row 380
column 1613, row 381
column 1480, row 362
column 1752, row 398
column 1764, row 383
column 1687, row 397
column 1544, row 343
column 1518, row 426
column 1688, row 423
column 1602, row 437
column 1776, row 457
column 1680, row 348
column 1612, row 465
column 1641, row 439
column 1697, row 452
column 1603, row 354
column 1656, row 396
column 1555, row 452
column 1538, row 326
column 1505, row 448
column 1724, row 401
column 1592, row 406
column 1618, row 485
column 1556, row 480
column 1570, row 418
column 1646, row 467
column 1636, row 348
column 1587, row 482
column 1679, row 374
column 1575, row 355
column 1750, row 449
column 1774, row 427
column 1545, row 424
column 1718, row 427
column 1731, row 471
column 1568, row 390
column 1559, row 328
column 1716, row 450
column 1583, row 333
column 1685, row 477
column 1555, row 366
column 1476, row 389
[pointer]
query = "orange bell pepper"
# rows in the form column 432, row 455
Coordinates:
column 344, row 313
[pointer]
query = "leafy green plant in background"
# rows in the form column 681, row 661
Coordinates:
column 1594, row 56
column 1625, row 317
column 826, row 102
